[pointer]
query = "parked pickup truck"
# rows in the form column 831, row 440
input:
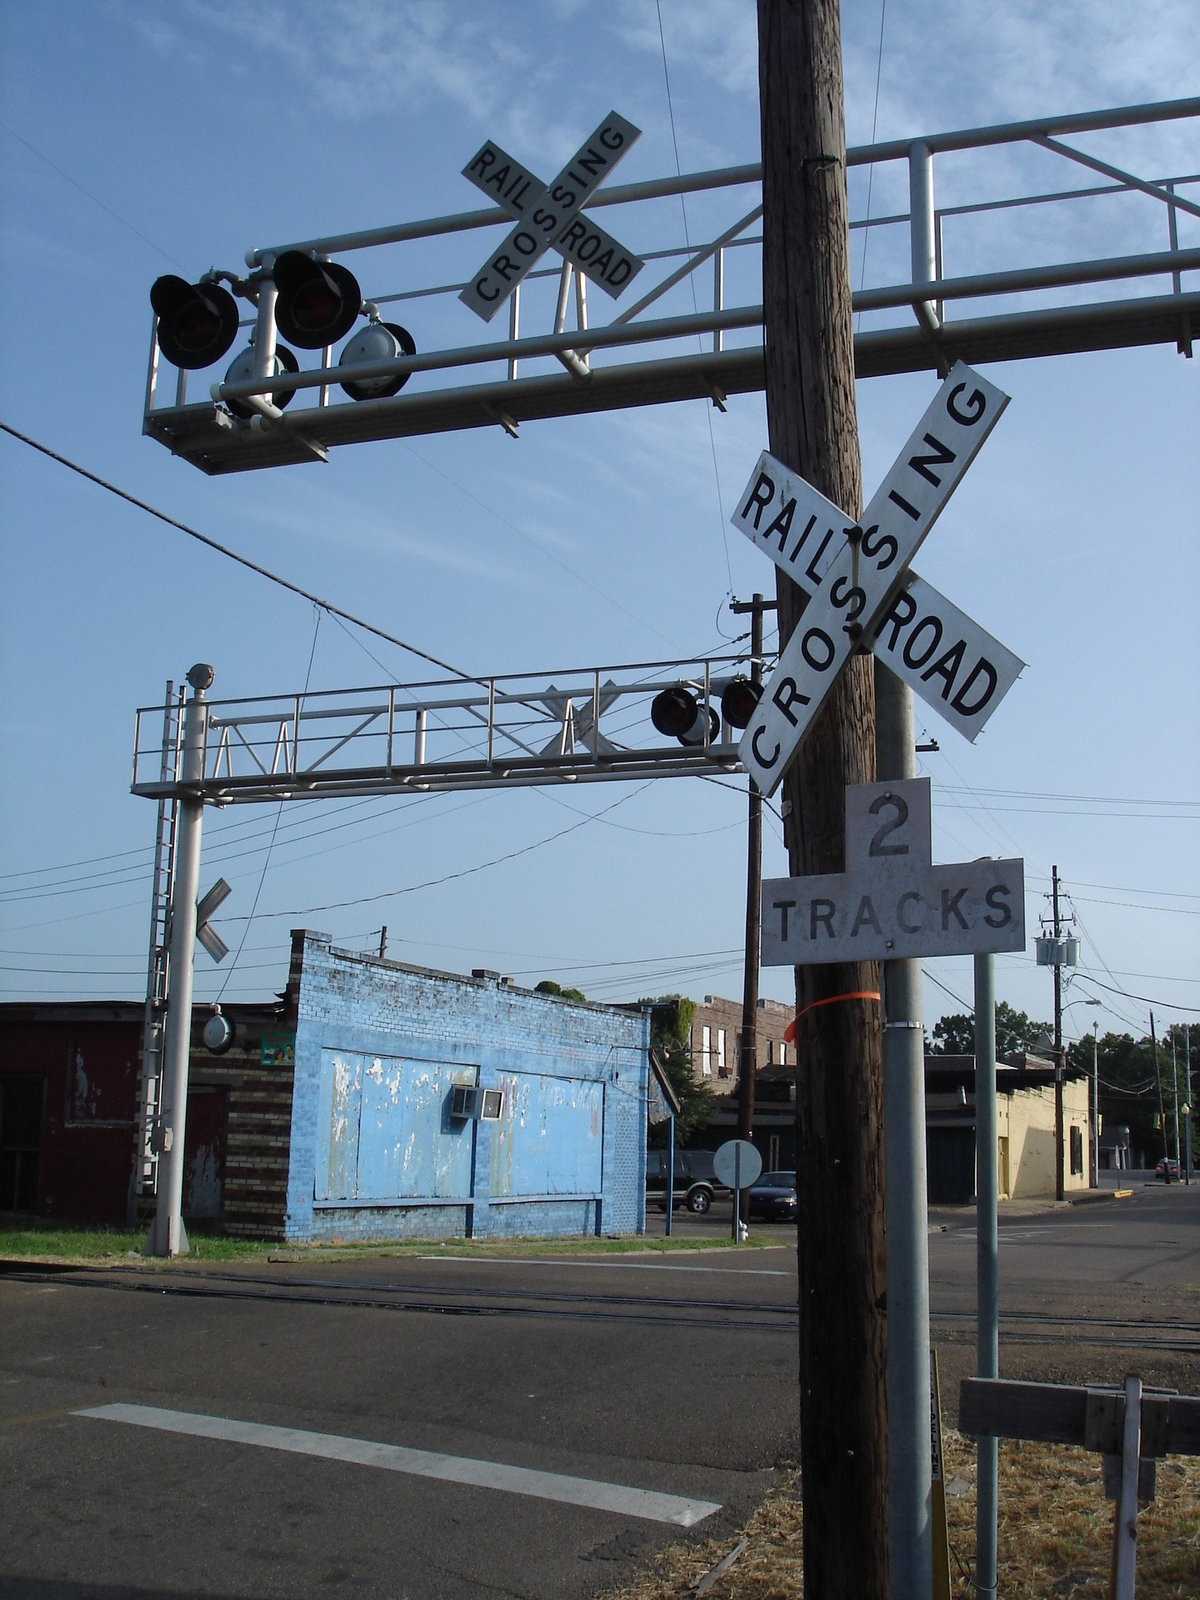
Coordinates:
column 695, row 1184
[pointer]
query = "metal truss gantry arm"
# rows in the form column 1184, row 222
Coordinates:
column 589, row 725
column 1023, row 299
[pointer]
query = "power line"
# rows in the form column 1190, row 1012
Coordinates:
column 466, row 872
column 244, row 561
column 712, row 442
column 1165, row 1005
column 95, row 199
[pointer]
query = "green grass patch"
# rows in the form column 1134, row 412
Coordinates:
column 45, row 1242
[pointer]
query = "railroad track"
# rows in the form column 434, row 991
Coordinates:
column 751, row 1315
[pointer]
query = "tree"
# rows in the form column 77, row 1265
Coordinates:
column 955, row 1035
column 670, row 1039
column 1129, row 1088
column 548, row 986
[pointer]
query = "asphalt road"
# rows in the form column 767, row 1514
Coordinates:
column 673, row 1376
column 418, row 1428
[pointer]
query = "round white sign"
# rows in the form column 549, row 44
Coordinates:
column 737, row 1174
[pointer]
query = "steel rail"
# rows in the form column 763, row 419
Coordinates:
column 729, row 177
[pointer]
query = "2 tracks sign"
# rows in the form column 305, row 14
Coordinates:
column 892, row 903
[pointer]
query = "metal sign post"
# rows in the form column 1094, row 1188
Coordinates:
column 893, row 904
column 738, row 1164
column 168, row 1236
column 987, row 1264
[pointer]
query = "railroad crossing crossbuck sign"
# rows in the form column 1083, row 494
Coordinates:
column 549, row 215
column 860, row 586
column 892, row 903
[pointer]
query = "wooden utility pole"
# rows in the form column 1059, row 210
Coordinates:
column 813, row 428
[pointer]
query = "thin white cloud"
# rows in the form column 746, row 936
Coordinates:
column 329, row 518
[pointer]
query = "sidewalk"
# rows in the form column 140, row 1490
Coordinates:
column 943, row 1218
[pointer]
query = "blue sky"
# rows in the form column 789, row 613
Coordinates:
column 142, row 138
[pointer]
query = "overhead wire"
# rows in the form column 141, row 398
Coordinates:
column 866, row 232
column 1164, row 1005
column 270, row 845
column 233, row 555
column 712, row 441
column 465, row 872
column 95, row 199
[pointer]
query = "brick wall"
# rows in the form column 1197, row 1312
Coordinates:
column 720, row 1016
column 383, row 1042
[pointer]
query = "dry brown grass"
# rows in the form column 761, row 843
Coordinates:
column 1054, row 1539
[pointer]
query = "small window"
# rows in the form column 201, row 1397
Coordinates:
column 722, row 1069
column 1076, row 1150
column 706, row 1052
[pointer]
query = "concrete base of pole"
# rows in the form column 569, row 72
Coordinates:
column 167, row 1237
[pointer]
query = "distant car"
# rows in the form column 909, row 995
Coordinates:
column 773, row 1196
column 695, row 1183
column 1167, row 1169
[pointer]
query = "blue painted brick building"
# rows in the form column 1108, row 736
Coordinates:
column 376, row 1149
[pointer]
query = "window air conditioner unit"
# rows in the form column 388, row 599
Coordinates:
column 477, row 1105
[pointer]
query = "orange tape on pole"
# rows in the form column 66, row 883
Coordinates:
column 789, row 1033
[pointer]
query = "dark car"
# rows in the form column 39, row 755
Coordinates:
column 695, row 1183
column 774, row 1197
column 1167, row 1169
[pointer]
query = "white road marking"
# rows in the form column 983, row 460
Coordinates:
column 1018, row 1234
column 646, row 1504
column 616, row 1261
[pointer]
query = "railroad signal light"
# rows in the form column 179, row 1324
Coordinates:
column 739, row 701
column 677, row 713
column 244, row 367
column 378, row 341
column 197, row 322
column 318, row 301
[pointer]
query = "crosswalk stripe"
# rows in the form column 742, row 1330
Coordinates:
column 646, row 1504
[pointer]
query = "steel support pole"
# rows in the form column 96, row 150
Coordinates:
column 670, row 1174
column 1060, row 1187
column 909, row 1394
column 748, row 1036
column 1095, row 1128
column 168, row 1236
column 987, row 1281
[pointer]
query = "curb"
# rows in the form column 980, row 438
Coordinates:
column 1094, row 1196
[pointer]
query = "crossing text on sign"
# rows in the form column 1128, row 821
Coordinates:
column 549, row 215
column 851, row 568
column 940, row 652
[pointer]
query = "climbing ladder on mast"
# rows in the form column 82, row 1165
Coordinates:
column 144, row 1186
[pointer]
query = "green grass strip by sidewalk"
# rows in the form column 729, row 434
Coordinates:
column 47, row 1243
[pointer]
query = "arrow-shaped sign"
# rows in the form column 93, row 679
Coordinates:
column 206, row 935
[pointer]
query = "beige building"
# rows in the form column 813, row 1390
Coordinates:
column 1025, row 1128
column 1024, row 1109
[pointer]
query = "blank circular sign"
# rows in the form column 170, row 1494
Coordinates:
column 726, row 1166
